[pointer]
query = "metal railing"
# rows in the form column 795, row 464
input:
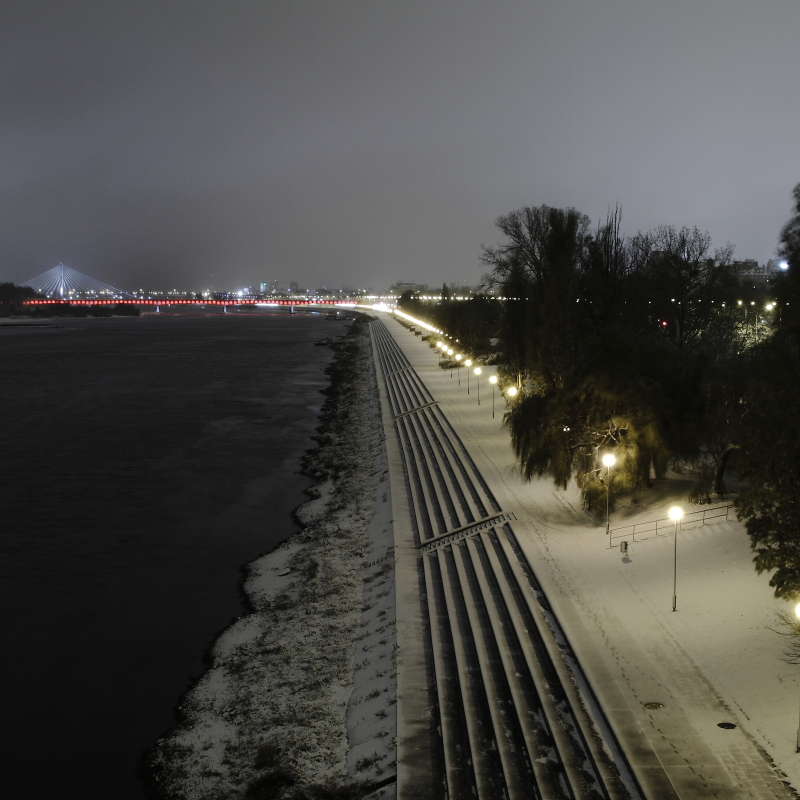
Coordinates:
column 666, row 526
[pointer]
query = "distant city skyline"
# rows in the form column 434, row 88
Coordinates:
column 224, row 144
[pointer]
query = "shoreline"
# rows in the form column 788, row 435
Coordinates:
column 299, row 691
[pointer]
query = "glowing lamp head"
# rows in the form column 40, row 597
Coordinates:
column 459, row 357
column 609, row 459
column 493, row 379
column 468, row 362
column 676, row 512
column 450, row 351
column 511, row 391
column 477, row 370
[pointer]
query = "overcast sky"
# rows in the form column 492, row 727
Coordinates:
column 196, row 144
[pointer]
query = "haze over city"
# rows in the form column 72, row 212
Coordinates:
column 221, row 145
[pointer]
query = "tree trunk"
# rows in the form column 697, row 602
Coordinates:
column 719, row 473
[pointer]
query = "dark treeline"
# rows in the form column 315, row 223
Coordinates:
column 649, row 347
column 12, row 297
column 615, row 344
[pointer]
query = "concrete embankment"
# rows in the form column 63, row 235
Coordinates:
column 698, row 700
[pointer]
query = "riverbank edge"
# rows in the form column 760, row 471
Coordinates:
column 274, row 713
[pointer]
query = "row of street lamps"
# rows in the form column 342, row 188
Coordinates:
column 608, row 461
column 445, row 350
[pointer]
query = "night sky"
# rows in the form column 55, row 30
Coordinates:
column 219, row 144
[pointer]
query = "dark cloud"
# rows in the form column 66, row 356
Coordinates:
column 196, row 143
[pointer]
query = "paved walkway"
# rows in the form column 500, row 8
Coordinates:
column 677, row 751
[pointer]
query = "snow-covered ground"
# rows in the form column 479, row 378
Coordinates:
column 302, row 691
column 310, row 674
column 715, row 660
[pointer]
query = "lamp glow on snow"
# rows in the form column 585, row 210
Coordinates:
column 797, row 611
column 675, row 513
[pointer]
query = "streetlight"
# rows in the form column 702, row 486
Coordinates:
column 493, row 381
column 468, row 364
column 511, row 391
column 478, row 372
column 450, row 352
column 458, row 365
column 676, row 512
column 609, row 459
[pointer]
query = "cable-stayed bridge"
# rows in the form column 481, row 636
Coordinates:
column 65, row 283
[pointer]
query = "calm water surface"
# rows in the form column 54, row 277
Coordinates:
column 144, row 461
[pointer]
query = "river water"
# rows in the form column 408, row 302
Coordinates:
column 144, row 461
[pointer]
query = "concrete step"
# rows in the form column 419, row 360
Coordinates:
column 507, row 728
column 530, row 694
column 455, row 744
column 582, row 731
column 482, row 744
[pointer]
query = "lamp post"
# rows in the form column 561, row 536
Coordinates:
column 609, row 459
column 450, row 353
column 478, row 372
column 458, row 366
column 676, row 512
column 468, row 364
column 493, row 381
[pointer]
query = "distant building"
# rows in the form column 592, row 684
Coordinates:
column 750, row 271
column 399, row 288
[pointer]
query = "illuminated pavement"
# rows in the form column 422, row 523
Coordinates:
column 461, row 574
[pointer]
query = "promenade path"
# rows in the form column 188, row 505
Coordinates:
column 503, row 589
